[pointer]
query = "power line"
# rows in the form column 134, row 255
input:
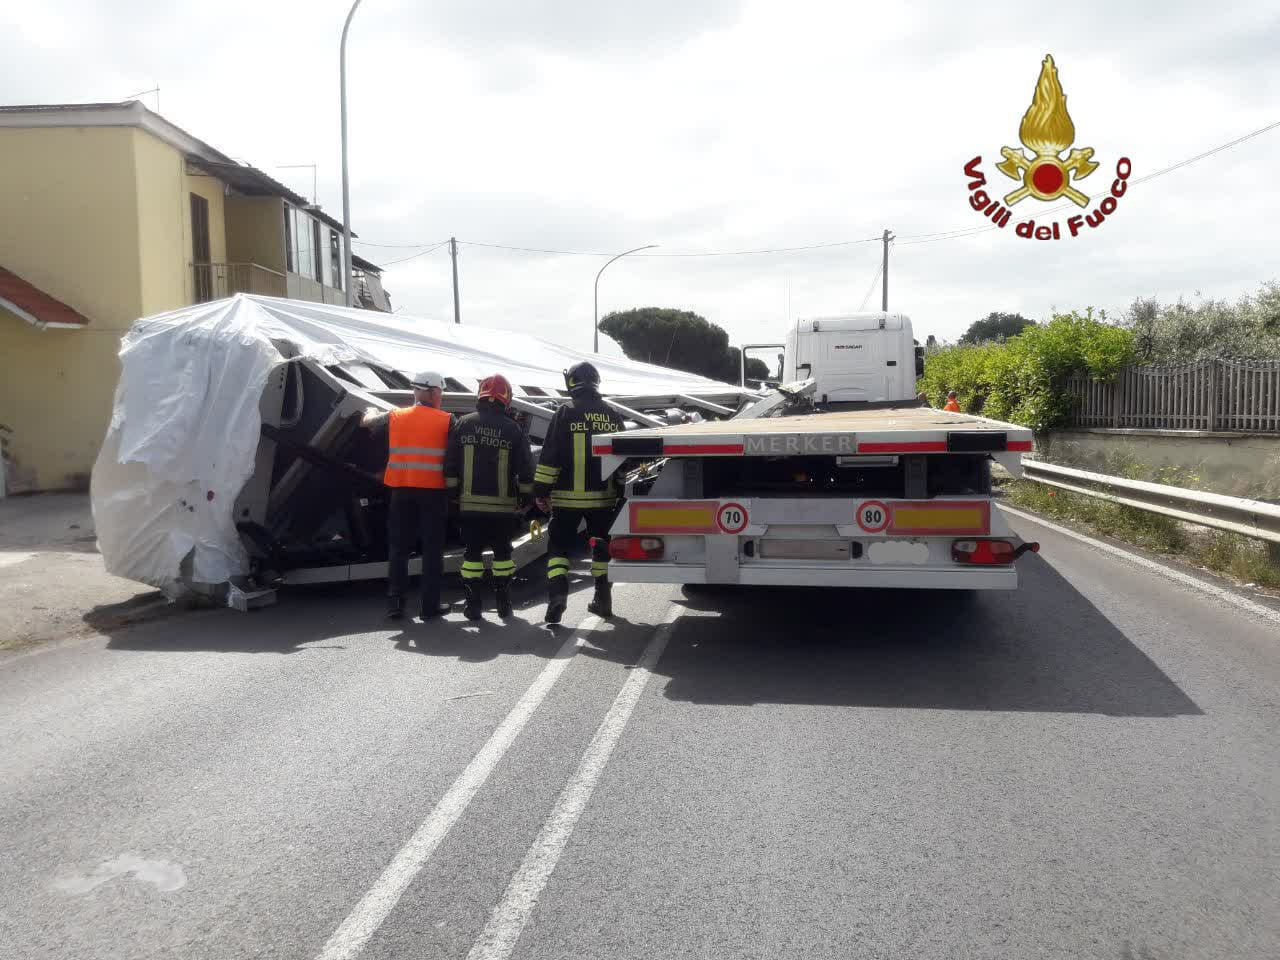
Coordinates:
column 422, row 253
column 1208, row 153
column 696, row 253
column 906, row 240
column 956, row 234
column 872, row 288
column 394, row 246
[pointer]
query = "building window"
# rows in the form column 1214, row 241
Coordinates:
column 200, row 249
column 317, row 251
column 335, row 260
column 302, row 259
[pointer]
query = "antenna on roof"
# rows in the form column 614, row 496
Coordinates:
column 303, row 166
column 143, row 93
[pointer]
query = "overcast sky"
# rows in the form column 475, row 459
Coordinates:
column 710, row 126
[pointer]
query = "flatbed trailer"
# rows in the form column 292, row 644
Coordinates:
column 878, row 496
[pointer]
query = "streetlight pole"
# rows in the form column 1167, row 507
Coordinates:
column 595, row 328
column 346, row 185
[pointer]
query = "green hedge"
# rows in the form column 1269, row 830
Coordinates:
column 1021, row 379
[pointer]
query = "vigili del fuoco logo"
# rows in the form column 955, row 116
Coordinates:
column 1045, row 175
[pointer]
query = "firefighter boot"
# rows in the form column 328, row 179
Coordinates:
column 395, row 606
column 503, row 591
column 557, row 598
column 602, row 603
column 472, row 608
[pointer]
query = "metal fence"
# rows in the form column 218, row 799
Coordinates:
column 213, row 281
column 1240, row 396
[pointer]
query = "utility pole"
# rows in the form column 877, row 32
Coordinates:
column 453, row 252
column 346, row 182
column 884, row 273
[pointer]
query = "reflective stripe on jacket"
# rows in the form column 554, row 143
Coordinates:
column 567, row 470
column 489, row 463
column 417, row 439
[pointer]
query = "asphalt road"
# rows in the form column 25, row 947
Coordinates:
column 1086, row 767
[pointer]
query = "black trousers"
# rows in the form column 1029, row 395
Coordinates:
column 563, row 536
column 416, row 516
column 481, row 533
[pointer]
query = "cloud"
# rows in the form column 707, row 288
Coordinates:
column 712, row 126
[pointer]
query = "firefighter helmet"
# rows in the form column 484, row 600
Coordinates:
column 496, row 388
column 581, row 375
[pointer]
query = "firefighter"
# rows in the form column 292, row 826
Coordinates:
column 417, row 438
column 490, row 468
column 568, row 482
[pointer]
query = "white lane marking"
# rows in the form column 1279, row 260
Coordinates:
column 499, row 937
column 1227, row 596
column 349, row 939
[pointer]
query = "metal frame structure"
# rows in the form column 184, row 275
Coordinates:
column 301, row 449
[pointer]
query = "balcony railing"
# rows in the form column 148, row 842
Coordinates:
column 213, row 281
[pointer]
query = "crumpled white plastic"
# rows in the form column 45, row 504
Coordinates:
column 185, row 422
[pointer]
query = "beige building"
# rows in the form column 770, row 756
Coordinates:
column 108, row 213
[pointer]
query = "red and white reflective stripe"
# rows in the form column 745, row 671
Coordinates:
column 912, row 446
column 737, row 449
column 702, row 449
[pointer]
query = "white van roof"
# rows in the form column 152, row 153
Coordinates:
column 854, row 321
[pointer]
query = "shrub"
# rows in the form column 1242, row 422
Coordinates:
column 1022, row 379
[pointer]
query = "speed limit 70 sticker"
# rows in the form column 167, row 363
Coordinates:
column 873, row 516
column 731, row 518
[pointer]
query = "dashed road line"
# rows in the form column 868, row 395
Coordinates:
column 363, row 921
column 499, row 937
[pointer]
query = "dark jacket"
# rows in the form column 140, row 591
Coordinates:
column 488, row 463
column 567, row 470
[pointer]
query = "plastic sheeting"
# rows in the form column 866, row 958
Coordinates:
column 185, row 423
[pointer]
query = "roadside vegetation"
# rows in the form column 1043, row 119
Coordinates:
column 1010, row 369
column 1020, row 379
column 679, row 339
column 1182, row 332
column 1007, row 367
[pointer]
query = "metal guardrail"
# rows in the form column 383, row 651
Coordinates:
column 1252, row 518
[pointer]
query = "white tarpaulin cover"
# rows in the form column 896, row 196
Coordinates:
column 185, row 423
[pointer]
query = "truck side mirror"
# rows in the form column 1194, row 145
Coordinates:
column 919, row 361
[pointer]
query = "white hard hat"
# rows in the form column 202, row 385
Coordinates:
column 427, row 378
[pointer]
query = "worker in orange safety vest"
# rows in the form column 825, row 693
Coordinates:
column 417, row 438
column 953, row 405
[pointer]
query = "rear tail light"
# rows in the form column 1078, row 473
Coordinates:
column 636, row 548
column 983, row 552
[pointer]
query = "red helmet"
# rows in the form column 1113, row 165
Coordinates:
column 496, row 388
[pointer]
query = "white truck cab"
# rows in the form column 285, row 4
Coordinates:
column 854, row 358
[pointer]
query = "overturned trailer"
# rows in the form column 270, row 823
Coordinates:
column 237, row 458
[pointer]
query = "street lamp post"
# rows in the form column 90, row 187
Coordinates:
column 346, row 186
column 595, row 328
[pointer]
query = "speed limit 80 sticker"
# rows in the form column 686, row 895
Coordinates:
column 873, row 516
